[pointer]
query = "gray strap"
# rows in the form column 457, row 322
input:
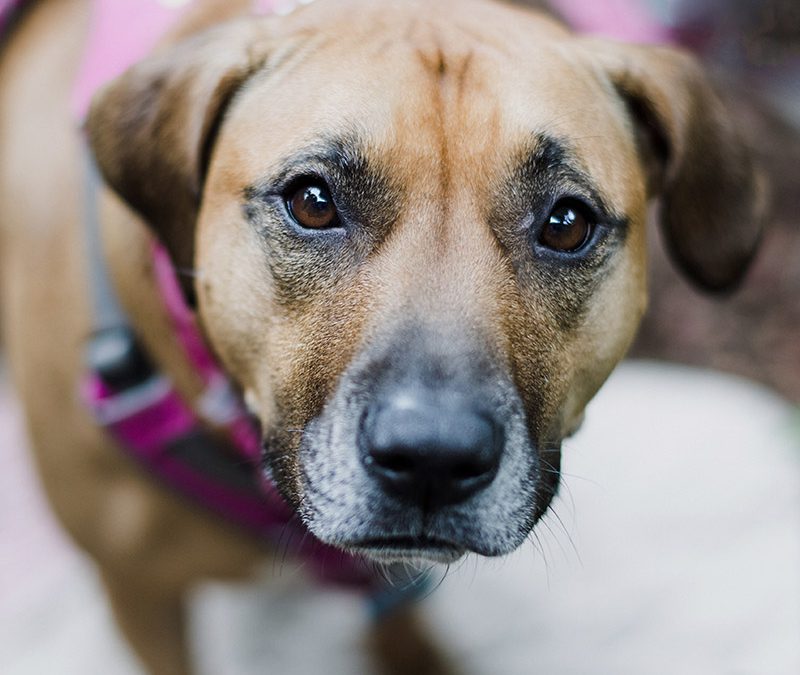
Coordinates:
column 106, row 308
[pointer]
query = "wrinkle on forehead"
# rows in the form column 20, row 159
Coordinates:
column 443, row 53
column 446, row 76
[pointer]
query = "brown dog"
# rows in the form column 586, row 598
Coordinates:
column 418, row 235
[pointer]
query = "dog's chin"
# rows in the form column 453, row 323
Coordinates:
column 417, row 553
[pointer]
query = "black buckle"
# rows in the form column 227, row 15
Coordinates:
column 115, row 355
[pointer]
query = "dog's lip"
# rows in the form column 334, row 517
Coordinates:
column 398, row 549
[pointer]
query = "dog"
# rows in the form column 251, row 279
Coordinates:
column 412, row 233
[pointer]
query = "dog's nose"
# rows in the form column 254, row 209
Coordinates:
column 432, row 449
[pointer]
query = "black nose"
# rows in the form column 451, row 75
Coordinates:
column 432, row 448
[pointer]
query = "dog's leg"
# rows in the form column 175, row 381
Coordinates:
column 153, row 623
column 400, row 645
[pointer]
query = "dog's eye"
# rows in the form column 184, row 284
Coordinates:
column 311, row 206
column 567, row 228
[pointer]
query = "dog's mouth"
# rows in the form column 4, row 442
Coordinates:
column 408, row 549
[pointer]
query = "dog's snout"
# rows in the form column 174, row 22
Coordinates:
column 433, row 450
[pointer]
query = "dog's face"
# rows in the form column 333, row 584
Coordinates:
column 420, row 245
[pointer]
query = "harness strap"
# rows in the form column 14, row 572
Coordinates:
column 219, row 405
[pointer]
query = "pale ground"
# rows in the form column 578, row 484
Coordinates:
column 677, row 553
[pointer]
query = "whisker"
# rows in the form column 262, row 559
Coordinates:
column 285, row 552
column 438, row 584
column 536, row 542
column 558, row 540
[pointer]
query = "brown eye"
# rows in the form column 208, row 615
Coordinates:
column 312, row 207
column 567, row 228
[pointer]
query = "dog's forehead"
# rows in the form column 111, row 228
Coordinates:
column 412, row 81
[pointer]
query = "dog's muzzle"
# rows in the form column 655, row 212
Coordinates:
column 424, row 454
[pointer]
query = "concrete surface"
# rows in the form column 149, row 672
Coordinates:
column 674, row 548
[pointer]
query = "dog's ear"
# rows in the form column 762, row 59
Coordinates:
column 152, row 129
column 712, row 196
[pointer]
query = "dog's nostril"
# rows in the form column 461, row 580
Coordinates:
column 468, row 470
column 436, row 451
column 395, row 463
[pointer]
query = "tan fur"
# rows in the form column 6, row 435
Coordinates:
column 443, row 104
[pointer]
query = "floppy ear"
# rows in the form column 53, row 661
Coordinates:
column 152, row 129
column 713, row 198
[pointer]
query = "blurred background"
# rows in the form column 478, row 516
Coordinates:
column 753, row 50
column 674, row 546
